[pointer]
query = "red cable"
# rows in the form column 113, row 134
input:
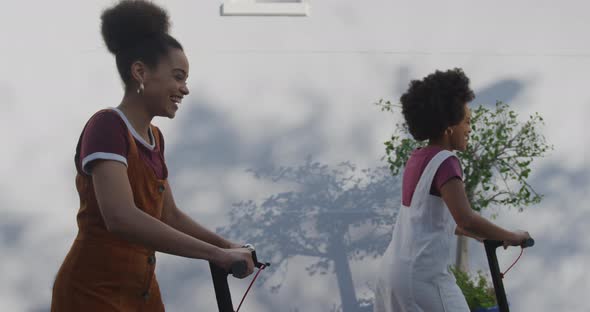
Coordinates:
column 502, row 274
column 251, row 283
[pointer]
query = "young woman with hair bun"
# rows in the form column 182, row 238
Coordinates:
column 127, row 211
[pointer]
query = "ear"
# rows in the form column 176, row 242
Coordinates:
column 449, row 131
column 138, row 71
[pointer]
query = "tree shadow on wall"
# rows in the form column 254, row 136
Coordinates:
column 333, row 215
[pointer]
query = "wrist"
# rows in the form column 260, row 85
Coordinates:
column 227, row 244
column 231, row 245
column 514, row 237
column 221, row 242
column 217, row 255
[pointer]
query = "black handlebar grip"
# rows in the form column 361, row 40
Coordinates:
column 529, row 242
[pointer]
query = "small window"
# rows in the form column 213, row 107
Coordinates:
column 265, row 8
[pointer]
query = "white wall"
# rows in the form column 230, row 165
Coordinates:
column 270, row 91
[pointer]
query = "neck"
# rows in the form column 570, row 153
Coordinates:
column 136, row 112
column 442, row 143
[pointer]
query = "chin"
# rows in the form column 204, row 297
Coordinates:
column 460, row 148
column 170, row 112
column 166, row 113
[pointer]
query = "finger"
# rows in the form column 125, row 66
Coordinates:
column 244, row 274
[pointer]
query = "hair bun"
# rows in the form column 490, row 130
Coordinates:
column 131, row 21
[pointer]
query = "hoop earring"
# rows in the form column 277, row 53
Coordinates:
column 140, row 89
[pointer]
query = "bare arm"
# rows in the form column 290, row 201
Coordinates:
column 177, row 219
column 123, row 218
column 460, row 231
column 453, row 193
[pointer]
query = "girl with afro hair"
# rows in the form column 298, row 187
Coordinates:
column 414, row 275
column 127, row 211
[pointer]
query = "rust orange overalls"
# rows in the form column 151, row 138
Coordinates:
column 103, row 272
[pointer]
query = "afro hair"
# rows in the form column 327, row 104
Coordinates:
column 436, row 102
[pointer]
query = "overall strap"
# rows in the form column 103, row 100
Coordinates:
column 424, row 184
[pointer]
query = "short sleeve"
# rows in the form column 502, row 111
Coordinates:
column 105, row 137
column 449, row 169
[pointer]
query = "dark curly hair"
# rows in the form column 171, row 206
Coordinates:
column 136, row 30
column 436, row 102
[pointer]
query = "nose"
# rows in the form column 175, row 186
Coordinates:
column 184, row 90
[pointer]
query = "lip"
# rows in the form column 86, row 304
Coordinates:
column 176, row 99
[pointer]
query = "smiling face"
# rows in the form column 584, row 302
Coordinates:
column 165, row 85
column 459, row 136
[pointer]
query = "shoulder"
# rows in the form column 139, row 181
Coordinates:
column 451, row 167
column 104, row 137
column 104, row 126
column 106, row 118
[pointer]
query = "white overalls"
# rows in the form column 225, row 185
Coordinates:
column 414, row 275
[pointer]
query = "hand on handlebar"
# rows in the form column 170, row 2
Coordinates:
column 234, row 256
column 518, row 239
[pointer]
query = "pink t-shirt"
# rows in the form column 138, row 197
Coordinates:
column 106, row 137
column 449, row 169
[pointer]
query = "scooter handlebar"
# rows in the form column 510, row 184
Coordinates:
column 529, row 242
